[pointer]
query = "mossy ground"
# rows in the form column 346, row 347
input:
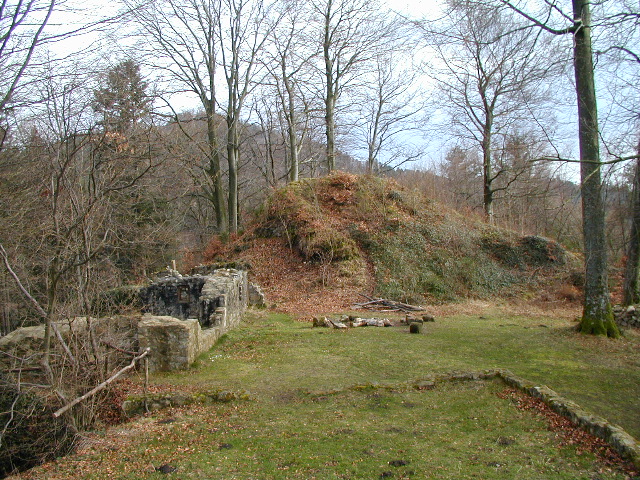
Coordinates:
column 293, row 428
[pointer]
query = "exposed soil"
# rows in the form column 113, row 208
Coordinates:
column 296, row 286
column 303, row 288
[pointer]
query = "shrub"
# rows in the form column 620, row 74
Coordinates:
column 30, row 434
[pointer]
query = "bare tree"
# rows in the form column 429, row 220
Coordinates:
column 351, row 33
column 631, row 285
column 191, row 42
column 64, row 222
column 21, row 32
column 289, row 61
column 390, row 106
column 597, row 316
column 492, row 72
column 181, row 42
column 242, row 30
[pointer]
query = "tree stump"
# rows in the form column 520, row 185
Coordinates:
column 415, row 327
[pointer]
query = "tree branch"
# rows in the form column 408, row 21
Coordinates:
column 103, row 385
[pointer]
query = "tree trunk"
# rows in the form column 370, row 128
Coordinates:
column 632, row 271
column 330, row 130
column 597, row 316
column 232, row 154
column 487, row 174
column 331, row 91
column 289, row 106
column 215, row 174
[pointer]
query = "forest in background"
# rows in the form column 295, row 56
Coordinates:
column 106, row 176
column 130, row 140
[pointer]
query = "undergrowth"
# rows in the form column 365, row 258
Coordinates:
column 420, row 251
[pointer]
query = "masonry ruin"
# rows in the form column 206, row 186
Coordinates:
column 185, row 315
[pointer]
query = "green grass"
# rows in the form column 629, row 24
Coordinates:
column 306, row 421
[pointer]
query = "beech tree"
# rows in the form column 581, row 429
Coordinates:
column 631, row 285
column 289, row 60
column 597, row 315
column 390, row 104
column 200, row 45
column 242, row 30
column 181, row 41
column 494, row 75
column 351, row 33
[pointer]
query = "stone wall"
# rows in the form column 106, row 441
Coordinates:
column 185, row 316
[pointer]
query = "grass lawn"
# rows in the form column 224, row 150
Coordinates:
column 305, row 420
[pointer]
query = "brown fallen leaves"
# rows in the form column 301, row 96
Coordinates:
column 569, row 434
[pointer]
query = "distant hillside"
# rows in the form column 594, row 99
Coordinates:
column 345, row 234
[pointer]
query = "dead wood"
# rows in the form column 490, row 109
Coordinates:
column 103, row 385
column 388, row 305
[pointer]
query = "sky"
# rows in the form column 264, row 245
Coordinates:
column 79, row 12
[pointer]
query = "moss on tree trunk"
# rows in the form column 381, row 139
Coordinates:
column 599, row 321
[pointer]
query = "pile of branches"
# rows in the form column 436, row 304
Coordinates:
column 382, row 304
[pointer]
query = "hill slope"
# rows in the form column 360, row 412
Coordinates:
column 321, row 242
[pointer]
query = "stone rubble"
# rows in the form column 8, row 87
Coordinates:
column 627, row 317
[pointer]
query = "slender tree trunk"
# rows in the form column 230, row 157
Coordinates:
column 331, row 91
column 487, row 175
column 597, row 316
column 632, row 271
column 232, row 154
column 215, row 174
column 330, row 106
column 294, row 170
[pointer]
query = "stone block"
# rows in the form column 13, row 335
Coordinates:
column 173, row 342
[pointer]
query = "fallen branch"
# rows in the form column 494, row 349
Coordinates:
column 389, row 304
column 66, row 348
column 103, row 385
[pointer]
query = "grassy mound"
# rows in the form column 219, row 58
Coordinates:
column 420, row 251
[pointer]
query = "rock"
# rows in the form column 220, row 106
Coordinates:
column 321, row 322
column 256, row 296
column 166, row 468
column 627, row 317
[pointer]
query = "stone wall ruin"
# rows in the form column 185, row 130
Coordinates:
column 185, row 316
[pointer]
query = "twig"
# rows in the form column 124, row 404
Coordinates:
column 121, row 350
column 55, row 329
column 23, row 369
column 103, row 385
